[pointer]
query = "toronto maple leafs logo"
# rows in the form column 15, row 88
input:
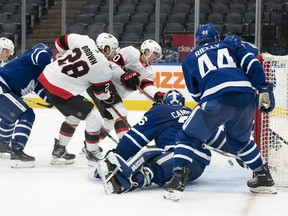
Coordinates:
column 30, row 88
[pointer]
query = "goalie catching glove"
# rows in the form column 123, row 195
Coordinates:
column 130, row 80
column 266, row 100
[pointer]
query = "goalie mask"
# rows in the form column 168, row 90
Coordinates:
column 6, row 43
column 107, row 40
column 174, row 97
column 206, row 33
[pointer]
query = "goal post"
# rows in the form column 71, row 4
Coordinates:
column 271, row 129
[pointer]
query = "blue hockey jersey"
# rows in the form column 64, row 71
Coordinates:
column 161, row 124
column 219, row 67
column 21, row 73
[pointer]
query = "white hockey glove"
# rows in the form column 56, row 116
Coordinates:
column 266, row 100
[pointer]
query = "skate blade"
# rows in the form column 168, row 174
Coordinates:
column 5, row 155
column 264, row 190
column 22, row 164
column 61, row 161
column 173, row 195
column 92, row 163
column 83, row 151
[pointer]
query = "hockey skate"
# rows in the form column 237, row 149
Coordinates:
column 262, row 182
column 21, row 160
column 5, row 150
column 107, row 174
column 176, row 185
column 60, row 156
column 94, row 156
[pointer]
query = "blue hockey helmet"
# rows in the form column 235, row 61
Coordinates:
column 44, row 47
column 206, row 33
column 174, row 97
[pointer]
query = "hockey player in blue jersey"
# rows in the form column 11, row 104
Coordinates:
column 222, row 77
column 19, row 78
column 131, row 166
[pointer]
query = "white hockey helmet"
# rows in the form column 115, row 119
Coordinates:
column 6, row 44
column 106, row 39
column 152, row 46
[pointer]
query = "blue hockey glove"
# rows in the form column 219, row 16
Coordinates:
column 266, row 100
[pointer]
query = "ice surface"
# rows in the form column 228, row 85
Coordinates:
column 48, row 190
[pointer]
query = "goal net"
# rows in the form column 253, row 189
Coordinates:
column 271, row 130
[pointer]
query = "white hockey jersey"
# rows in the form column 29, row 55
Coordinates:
column 80, row 66
column 128, row 59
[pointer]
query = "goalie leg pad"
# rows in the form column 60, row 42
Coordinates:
column 134, row 164
column 107, row 173
column 116, row 173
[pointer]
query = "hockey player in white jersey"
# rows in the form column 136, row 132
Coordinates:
column 6, row 50
column 80, row 67
column 131, row 70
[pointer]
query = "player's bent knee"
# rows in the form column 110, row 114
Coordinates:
column 29, row 116
column 93, row 121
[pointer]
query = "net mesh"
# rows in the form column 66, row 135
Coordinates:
column 271, row 129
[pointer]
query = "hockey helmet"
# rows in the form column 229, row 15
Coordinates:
column 44, row 47
column 6, row 44
column 152, row 46
column 174, row 97
column 40, row 46
column 106, row 39
column 206, row 33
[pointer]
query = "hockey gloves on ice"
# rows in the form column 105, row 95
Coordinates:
column 130, row 80
column 266, row 100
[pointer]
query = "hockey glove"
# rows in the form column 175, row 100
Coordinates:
column 130, row 80
column 159, row 96
column 266, row 100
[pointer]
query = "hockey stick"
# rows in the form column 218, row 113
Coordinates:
column 109, row 136
column 39, row 104
column 146, row 94
column 99, row 106
column 205, row 146
column 122, row 117
column 278, row 136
